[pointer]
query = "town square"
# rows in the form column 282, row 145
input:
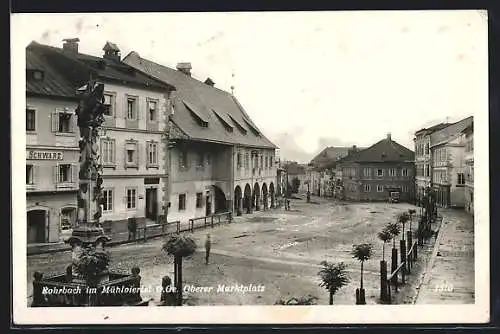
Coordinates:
column 182, row 172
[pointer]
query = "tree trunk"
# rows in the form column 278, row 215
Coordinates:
column 383, row 251
column 179, row 277
column 331, row 297
column 176, row 281
column 361, row 275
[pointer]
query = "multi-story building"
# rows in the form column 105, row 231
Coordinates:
column 371, row 174
column 468, row 139
column 448, row 178
column 321, row 171
column 219, row 159
column 131, row 147
column 294, row 170
column 423, row 163
column 51, row 152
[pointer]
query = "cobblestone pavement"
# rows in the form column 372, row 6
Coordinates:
column 278, row 249
column 449, row 277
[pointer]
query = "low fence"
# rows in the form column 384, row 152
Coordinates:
column 158, row 230
column 400, row 268
column 212, row 220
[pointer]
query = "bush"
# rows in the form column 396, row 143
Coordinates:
column 303, row 300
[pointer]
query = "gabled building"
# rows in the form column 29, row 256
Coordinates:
column 51, row 152
column 131, row 147
column 294, row 170
column 423, row 162
column 468, row 140
column 372, row 173
column 219, row 159
column 321, row 169
column 447, row 151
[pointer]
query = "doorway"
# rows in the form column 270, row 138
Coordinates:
column 36, row 220
column 208, row 206
column 151, row 203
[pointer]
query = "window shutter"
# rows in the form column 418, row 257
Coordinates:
column 137, row 153
column 113, row 151
column 56, row 173
column 125, row 156
column 148, row 152
column 74, row 173
column 35, row 173
column 72, row 123
column 55, row 121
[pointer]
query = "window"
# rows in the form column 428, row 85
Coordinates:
column 67, row 218
column 380, row 172
column 64, row 173
column 107, row 205
column 380, row 188
column 404, row 172
column 131, row 108
column 62, row 121
column 367, row 172
column 270, row 161
column 131, row 198
column 108, row 151
column 460, row 179
column 199, row 159
column 182, row 202
column 152, row 107
column 265, row 162
column 247, row 161
column 199, row 200
column 131, row 154
column 30, row 119
column 392, row 172
column 261, row 162
column 183, row 159
column 108, row 105
column 152, row 153
column 367, row 188
column 30, row 171
column 427, row 170
column 238, row 160
column 405, row 189
column 208, row 159
column 426, row 148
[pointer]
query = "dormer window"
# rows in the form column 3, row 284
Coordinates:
column 36, row 75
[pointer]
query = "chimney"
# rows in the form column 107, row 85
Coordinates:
column 389, row 136
column 111, row 52
column 209, row 82
column 71, row 44
column 184, row 68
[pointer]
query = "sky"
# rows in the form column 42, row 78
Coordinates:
column 307, row 79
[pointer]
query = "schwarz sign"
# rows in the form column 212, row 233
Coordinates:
column 44, row 155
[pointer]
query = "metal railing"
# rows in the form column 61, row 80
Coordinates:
column 214, row 219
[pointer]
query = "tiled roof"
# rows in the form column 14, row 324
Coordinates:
column 52, row 83
column 77, row 67
column 330, row 155
column 433, row 128
column 386, row 150
column 450, row 132
column 294, row 168
column 201, row 111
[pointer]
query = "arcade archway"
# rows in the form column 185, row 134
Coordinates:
column 247, row 199
column 256, row 196
column 265, row 198
column 220, row 200
column 238, row 200
column 271, row 194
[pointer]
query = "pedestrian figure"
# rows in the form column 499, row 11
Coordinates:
column 208, row 244
column 132, row 228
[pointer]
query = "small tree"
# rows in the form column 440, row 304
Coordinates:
column 303, row 300
column 362, row 253
column 394, row 229
column 411, row 212
column 403, row 218
column 385, row 236
column 295, row 185
column 179, row 246
column 333, row 277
